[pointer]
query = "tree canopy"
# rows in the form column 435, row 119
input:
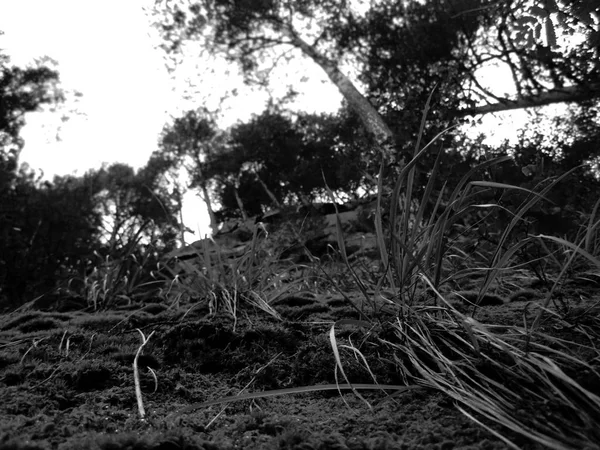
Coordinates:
column 403, row 49
column 396, row 55
column 22, row 90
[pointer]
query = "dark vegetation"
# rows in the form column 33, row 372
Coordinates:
column 461, row 227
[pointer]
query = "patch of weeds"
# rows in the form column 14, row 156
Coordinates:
column 115, row 280
column 248, row 278
column 444, row 345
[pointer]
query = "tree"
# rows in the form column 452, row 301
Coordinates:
column 21, row 91
column 135, row 207
column 25, row 220
column 551, row 48
column 160, row 179
column 403, row 50
column 189, row 141
column 412, row 46
column 290, row 156
column 255, row 27
column 48, row 234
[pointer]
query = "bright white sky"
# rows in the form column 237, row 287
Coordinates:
column 106, row 51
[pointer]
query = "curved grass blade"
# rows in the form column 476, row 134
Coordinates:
column 298, row 390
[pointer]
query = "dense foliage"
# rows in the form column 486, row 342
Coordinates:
column 55, row 232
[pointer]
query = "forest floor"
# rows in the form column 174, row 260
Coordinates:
column 67, row 376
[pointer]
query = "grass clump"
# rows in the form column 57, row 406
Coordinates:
column 227, row 281
column 502, row 377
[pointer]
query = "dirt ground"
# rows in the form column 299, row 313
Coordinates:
column 67, row 379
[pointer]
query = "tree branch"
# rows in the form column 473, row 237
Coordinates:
column 565, row 94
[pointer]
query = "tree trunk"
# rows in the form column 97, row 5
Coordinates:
column 269, row 193
column 214, row 226
column 181, row 226
column 370, row 118
column 177, row 191
column 240, row 204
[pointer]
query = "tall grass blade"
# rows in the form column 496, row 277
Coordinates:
column 298, row 390
column 383, row 251
column 342, row 249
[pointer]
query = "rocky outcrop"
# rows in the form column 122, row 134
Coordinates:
column 313, row 228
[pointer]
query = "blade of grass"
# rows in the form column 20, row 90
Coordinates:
column 298, row 390
column 340, row 367
column 383, row 252
column 342, row 249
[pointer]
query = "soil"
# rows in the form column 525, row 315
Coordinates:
column 67, row 377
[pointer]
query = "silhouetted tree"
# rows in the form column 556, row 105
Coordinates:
column 21, row 91
column 190, row 142
column 289, row 157
column 23, row 206
column 135, row 207
column 48, row 234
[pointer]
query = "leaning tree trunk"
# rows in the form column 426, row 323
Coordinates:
column 269, row 193
column 240, row 203
column 370, row 118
